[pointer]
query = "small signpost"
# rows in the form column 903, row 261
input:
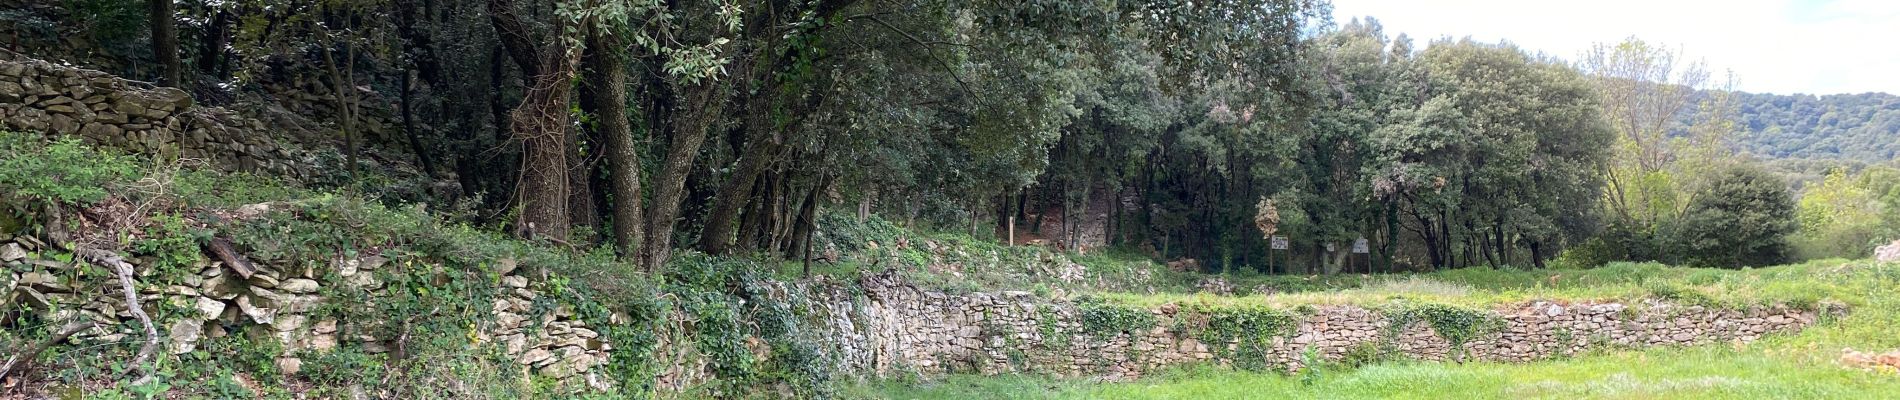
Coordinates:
column 1278, row 243
column 1360, row 246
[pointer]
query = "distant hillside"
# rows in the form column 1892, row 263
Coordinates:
column 1860, row 127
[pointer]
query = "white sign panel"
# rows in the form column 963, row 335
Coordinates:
column 1279, row 242
column 1360, row 247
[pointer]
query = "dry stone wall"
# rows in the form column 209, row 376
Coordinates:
column 899, row 329
column 104, row 110
column 283, row 304
column 878, row 326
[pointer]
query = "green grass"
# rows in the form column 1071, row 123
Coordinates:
column 1806, row 285
column 1695, row 373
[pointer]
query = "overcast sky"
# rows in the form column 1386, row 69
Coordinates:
column 1774, row 46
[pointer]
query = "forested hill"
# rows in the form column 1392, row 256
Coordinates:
column 1862, row 127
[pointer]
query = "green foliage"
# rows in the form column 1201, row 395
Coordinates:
column 1742, row 218
column 111, row 23
column 1859, row 126
column 852, row 235
column 64, row 171
column 1105, row 319
column 173, row 245
column 1251, row 326
column 1848, row 215
column 1364, row 354
column 729, row 303
column 202, row 188
column 343, row 367
column 1457, row 325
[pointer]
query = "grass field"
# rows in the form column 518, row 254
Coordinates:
column 1799, row 366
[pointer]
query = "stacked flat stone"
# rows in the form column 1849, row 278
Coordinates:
column 103, row 110
column 277, row 303
column 898, row 329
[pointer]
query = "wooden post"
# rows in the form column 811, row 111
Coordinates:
column 1012, row 230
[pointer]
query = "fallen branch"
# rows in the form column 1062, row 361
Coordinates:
column 34, row 351
column 221, row 248
column 107, row 258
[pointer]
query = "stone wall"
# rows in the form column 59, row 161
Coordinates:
column 899, row 329
column 280, row 303
column 878, row 326
column 104, row 110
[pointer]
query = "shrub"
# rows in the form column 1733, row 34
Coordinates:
column 1742, row 218
column 64, row 171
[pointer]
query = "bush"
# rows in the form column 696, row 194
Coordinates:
column 1742, row 218
column 64, row 171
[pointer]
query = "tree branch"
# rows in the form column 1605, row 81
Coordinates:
column 30, row 352
column 928, row 50
column 124, row 269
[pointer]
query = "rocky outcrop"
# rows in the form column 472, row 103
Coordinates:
column 1888, row 253
column 104, row 110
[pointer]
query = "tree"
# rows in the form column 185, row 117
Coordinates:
column 1741, row 219
column 1644, row 89
column 604, row 98
column 165, row 42
column 1845, row 215
column 540, row 122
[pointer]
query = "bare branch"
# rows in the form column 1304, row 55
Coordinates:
column 124, row 269
column 30, row 352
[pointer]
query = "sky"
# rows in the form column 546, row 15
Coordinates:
column 1772, row 46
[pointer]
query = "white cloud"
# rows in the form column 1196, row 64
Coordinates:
column 1776, row 46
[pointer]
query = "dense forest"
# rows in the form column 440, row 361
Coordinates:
column 1182, row 130
column 1860, row 127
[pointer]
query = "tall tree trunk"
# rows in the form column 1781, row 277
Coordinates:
column 342, row 87
column 1537, row 254
column 604, row 95
column 757, row 213
column 736, row 192
column 409, row 125
column 1390, row 245
column 581, row 211
column 704, row 102
column 417, row 43
column 216, row 36
column 540, row 123
column 515, row 38
column 165, row 42
column 807, row 222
